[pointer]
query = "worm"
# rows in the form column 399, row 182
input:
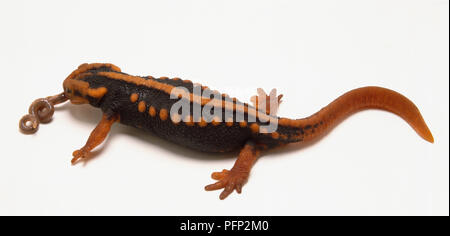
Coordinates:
column 40, row 111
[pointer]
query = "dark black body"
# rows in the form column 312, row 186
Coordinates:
column 211, row 138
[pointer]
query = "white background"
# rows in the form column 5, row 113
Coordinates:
column 311, row 51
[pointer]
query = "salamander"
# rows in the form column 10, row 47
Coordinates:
column 206, row 120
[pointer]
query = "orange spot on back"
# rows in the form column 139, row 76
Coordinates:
column 254, row 127
column 275, row 135
column 202, row 123
column 134, row 97
column 163, row 114
column 152, row 111
column 141, row 106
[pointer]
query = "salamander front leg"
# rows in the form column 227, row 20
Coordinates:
column 235, row 178
column 96, row 138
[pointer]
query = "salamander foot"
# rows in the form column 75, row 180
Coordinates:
column 78, row 155
column 229, row 181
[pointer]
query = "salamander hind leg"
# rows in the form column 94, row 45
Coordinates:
column 234, row 179
column 267, row 103
column 96, row 138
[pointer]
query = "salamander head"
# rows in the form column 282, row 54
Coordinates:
column 76, row 88
column 76, row 85
column 75, row 91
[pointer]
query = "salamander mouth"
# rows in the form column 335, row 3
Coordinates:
column 74, row 96
column 78, row 100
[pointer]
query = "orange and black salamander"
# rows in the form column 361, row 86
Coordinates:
column 206, row 120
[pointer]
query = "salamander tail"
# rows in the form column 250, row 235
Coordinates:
column 352, row 102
